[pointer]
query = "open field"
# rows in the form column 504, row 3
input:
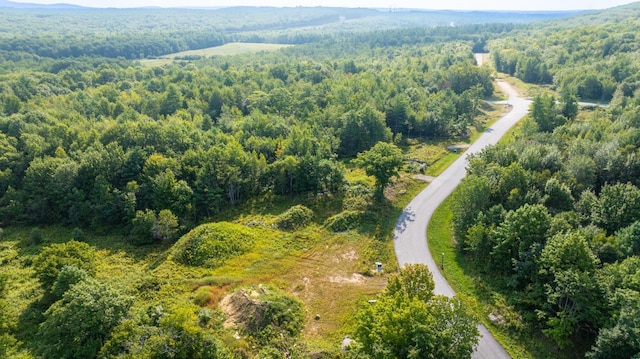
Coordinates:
column 230, row 49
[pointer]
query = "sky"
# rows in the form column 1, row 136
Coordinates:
column 386, row 4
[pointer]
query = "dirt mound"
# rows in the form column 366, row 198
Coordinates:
column 243, row 309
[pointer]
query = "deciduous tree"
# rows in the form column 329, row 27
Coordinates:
column 382, row 161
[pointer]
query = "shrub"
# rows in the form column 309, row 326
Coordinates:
column 54, row 257
column 68, row 276
column 36, row 236
column 77, row 325
column 78, row 235
column 149, row 228
column 358, row 197
column 295, row 217
column 202, row 296
column 266, row 313
column 211, row 244
column 343, row 221
column 176, row 335
column 142, row 228
column 283, row 314
column 166, row 226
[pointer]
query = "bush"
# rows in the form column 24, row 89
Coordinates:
column 202, row 296
column 36, row 236
column 68, row 276
column 343, row 221
column 283, row 314
column 77, row 325
column 358, row 197
column 176, row 335
column 267, row 313
column 142, row 228
column 211, row 244
column 78, row 235
column 56, row 256
column 149, row 228
column 295, row 217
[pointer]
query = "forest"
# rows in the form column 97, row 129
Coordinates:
column 141, row 206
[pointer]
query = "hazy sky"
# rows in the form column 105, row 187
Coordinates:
column 425, row 4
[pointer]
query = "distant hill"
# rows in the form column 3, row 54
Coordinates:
column 20, row 5
column 45, row 30
column 479, row 16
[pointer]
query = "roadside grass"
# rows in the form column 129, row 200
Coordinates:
column 440, row 237
column 519, row 341
column 439, row 166
column 523, row 88
column 230, row 49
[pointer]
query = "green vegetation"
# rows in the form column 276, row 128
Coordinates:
column 382, row 161
column 211, row 244
column 592, row 56
column 78, row 325
column 138, row 203
column 55, row 257
column 230, row 49
column 408, row 319
column 343, row 221
column 543, row 219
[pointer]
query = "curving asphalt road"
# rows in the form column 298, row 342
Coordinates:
column 411, row 229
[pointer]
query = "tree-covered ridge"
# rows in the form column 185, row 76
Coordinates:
column 144, row 33
column 553, row 218
column 591, row 55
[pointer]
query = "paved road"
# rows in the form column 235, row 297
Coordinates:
column 411, row 229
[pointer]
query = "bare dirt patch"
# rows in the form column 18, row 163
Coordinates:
column 355, row 278
column 242, row 308
column 350, row 255
column 330, row 285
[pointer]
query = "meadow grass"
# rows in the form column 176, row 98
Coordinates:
column 230, row 49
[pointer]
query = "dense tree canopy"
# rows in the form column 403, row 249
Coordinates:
column 112, row 143
column 592, row 56
column 408, row 321
column 553, row 215
column 80, row 323
column 143, row 152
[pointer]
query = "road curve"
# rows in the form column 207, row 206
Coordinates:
column 410, row 233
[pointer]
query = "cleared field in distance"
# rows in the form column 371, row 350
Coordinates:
column 230, row 49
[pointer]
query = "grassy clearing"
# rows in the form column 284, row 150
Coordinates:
column 524, row 89
column 230, row 49
column 439, row 166
column 332, row 273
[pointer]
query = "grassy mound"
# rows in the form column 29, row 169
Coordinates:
column 343, row 221
column 295, row 217
column 211, row 244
